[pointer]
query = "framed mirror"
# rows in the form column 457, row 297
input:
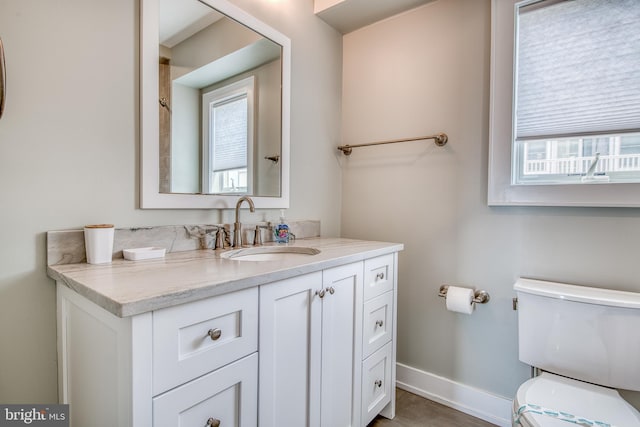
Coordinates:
column 215, row 106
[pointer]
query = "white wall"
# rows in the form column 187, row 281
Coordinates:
column 427, row 71
column 185, row 139
column 69, row 151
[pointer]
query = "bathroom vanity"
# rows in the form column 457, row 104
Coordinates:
column 204, row 339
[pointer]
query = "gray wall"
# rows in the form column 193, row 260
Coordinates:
column 69, row 151
column 424, row 72
column 69, row 156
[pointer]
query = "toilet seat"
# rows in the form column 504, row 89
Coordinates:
column 573, row 397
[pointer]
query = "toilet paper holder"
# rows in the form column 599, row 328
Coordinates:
column 479, row 297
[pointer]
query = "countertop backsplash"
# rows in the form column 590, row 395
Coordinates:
column 67, row 246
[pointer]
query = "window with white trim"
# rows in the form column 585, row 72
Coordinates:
column 565, row 103
column 228, row 138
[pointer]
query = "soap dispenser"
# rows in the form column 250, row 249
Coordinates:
column 281, row 231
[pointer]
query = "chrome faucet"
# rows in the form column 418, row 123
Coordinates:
column 237, row 227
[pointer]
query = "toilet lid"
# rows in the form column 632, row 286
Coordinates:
column 575, row 398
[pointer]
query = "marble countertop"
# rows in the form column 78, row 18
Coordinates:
column 126, row 288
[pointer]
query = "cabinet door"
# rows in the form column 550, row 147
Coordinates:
column 341, row 346
column 227, row 397
column 290, row 321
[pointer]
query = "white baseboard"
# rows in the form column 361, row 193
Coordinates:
column 472, row 401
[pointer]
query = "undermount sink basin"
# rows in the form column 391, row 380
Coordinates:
column 270, row 253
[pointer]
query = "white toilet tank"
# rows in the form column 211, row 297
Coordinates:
column 589, row 334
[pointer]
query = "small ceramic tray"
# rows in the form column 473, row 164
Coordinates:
column 143, row 253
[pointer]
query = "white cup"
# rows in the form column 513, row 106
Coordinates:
column 98, row 242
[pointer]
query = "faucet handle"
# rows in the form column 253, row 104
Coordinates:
column 257, row 237
column 221, row 239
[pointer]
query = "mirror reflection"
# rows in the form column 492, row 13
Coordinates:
column 220, row 104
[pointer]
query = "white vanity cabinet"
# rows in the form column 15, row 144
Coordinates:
column 191, row 364
column 205, row 362
column 379, row 330
column 310, row 335
column 327, row 356
column 316, row 350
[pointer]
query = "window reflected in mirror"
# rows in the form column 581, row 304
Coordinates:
column 227, row 116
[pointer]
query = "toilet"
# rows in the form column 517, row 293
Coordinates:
column 586, row 344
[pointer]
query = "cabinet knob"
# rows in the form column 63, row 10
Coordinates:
column 379, row 323
column 320, row 293
column 378, row 383
column 214, row 334
column 380, row 276
column 213, row 422
column 331, row 290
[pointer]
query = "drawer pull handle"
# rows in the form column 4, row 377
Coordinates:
column 213, row 422
column 320, row 293
column 331, row 290
column 380, row 276
column 214, row 334
column 378, row 383
column 379, row 323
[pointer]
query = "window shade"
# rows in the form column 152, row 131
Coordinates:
column 229, row 135
column 578, row 68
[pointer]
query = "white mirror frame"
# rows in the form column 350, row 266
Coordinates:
column 150, row 196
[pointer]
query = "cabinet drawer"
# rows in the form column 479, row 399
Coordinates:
column 229, row 395
column 376, row 383
column 378, row 323
column 192, row 339
column 378, row 276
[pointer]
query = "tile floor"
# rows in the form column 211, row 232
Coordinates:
column 415, row 411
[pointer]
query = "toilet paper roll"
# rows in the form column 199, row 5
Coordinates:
column 460, row 300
